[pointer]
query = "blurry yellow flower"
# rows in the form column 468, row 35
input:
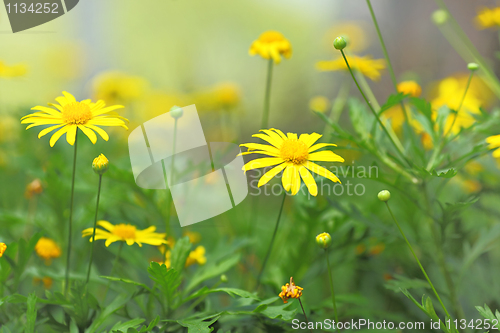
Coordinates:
column 353, row 32
column 223, row 96
column 473, row 168
column 411, row 88
column 360, row 249
column 35, row 187
column 47, row 282
column 377, row 249
column 294, row 155
column 471, row 186
column 116, row 87
column 494, row 143
column 125, row 233
column 290, row 290
column 8, row 128
column 488, row 18
column 450, row 93
column 3, row 247
column 367, row 66
column 71, row 116
column 197, row 256
column 271, row 45
column 319, row 104
column 157, row 103
column 194, row 237
column 396, row 114
column 12, row 71
column 47, row 249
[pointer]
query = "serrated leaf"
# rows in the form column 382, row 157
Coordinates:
column 112, row 278
column 393, row 100
column 167, row 279
column 180, row 253
column 198, row 325
column 152, row 324
column 123, row 327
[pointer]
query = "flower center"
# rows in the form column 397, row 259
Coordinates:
column 76, row 113
column 125, row 231
column 294, row 151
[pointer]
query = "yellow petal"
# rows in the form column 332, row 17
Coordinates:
column 262, row 163
column 89, row 133
column 106, row 225
column 311, row 139
column 286, row 178
column 70, row 98
column 309, row 180
column 271, row 173
column 57, row 135
column 71, row 134
column 321, row 171
column 48, row 130
column 98, row 112
column 257, row 152
column 325, row 156
column 280, row 133
column 50, row 111
column 258, row 146
column 319, row 146
column 99, row 130
column 269, row 139
column 295, row 179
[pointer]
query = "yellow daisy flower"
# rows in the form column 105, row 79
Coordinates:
column 12, row 71
column 70, row 115
column 125, row 233
column 290, row 290
column 3, row 247
column 271, row 45
column 47, row 249
column 395, row 114
column 367, row 66
column 294, row 155
column 118, row 87
column 494, row 143
column 488, row 18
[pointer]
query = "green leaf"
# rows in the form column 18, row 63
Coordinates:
column 230, row 291
column 393, row 100
column 31, row 314
column 423, row 106
column 449, row 173
column 123, row 327
column 213, row 269
column 114, row 306
column 151, row 325
column 402, row 282
column 180, row 253
column 410, row 297
column 167, row 279
column 198, row 325
column 112, row 278
column 487, row 313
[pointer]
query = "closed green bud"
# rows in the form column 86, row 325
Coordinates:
column 176, row 112
column 100, row 164
column 223, row 278
column 339, row 43
column 384, row 195
column 440, row 16
column 472, row 66
column 323, row 240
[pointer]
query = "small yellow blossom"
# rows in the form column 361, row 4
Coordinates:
column 319, row 104
column 488, row 18
column 410, row 87
column 197, row 256
column 100, row 164
column 494, row 143
column 125, row 233
column 3, row 247
column 12, row 71
column 290, row 290
column 194, row 237
column 47, row 249
column 377, row 249
column 46, row 281
column 117, row 87
column 271, row 45
column 33, row 188
column 395, row 114
column 367, row 66
column 473, row 168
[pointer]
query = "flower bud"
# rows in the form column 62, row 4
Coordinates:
column 223, row 278
column 176, row 112
column 339, row 43
column 384, row 195
column 472, row 66
column 323, row 240
column 100, row 164
column 440, row 17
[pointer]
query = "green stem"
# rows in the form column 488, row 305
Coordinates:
column 331, row 287
column 338, row 105
column 267, row 96
column 372, row 110
column 418, row 262
column 95, row 225
column 492, row 79
column 70, row 225
column 304, row 312
column 272, row 240
column 113, row 268
column 443, row 141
